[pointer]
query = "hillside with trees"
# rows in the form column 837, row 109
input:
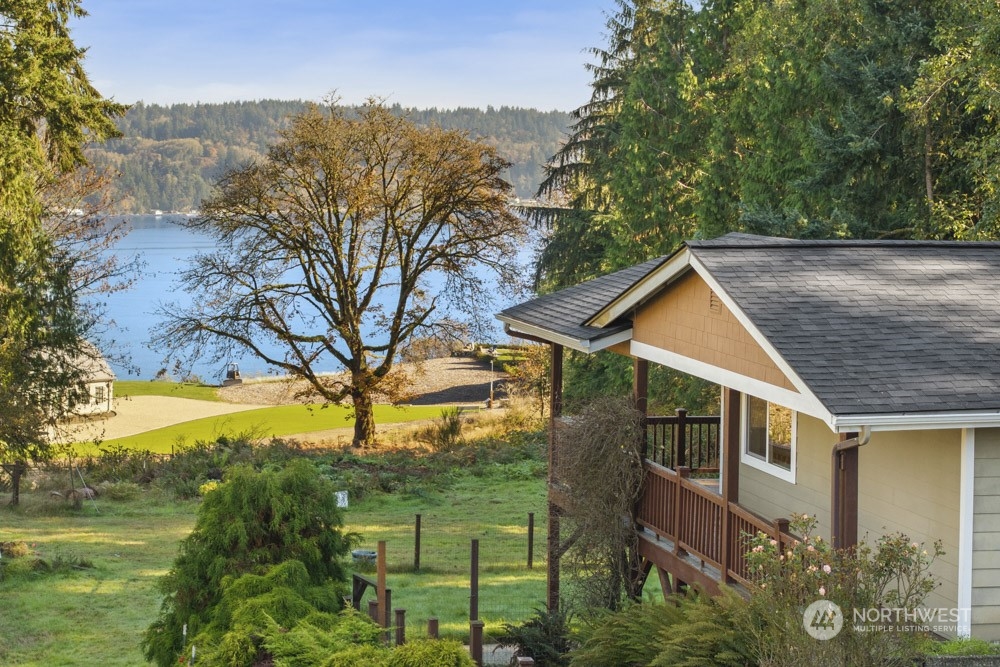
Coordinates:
column 169, row 157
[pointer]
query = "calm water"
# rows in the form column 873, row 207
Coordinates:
column 166, row 248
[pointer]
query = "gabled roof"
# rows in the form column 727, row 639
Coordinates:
column 561, row 316
column 875, row 330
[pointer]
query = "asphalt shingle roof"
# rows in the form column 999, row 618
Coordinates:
column 873, row 327
column 564, row 312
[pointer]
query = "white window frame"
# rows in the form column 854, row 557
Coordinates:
column 754, row 461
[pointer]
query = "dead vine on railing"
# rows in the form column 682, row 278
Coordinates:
column 600, row 463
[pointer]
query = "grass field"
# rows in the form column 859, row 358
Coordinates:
column 275, row 421
column 96, row 615
column 200, row 392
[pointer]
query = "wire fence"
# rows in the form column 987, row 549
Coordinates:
column 433, row 572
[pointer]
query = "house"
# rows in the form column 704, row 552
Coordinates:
column 860, row 383
column 99, row 381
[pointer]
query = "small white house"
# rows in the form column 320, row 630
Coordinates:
column 99, row 380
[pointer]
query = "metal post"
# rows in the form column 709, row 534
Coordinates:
column 474, row 583
column 531, row 539
column 416, row 545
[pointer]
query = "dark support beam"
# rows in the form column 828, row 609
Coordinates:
column 731, row 417
column 555, row 411
column 844, row 500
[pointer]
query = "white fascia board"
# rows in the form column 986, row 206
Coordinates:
column 800, row 402
column 652, row 283
column 917, row 421
column 585, row 346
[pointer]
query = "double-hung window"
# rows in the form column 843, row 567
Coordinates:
column 769, row 437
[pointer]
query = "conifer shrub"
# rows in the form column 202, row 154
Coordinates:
column 430, row 653
column 253, row 521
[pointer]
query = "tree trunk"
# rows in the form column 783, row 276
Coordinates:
column 364, row 420
column 16, row 471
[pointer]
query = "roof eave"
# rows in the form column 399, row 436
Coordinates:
column 916, row 421
column 645, row 287
column 586, row 345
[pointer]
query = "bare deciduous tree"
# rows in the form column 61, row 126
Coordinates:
column 327, row 246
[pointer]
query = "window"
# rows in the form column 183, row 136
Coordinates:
column 99, row 393
column 769, row 437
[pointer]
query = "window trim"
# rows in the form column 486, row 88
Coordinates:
column 754, row 461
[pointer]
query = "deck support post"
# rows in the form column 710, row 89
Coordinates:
column 552, row 544
column 730, row 415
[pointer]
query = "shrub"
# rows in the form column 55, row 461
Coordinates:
column 890, row 574
column 628, row 637
column 545, row 637
column 251, row 522
column 321, row 639
column 430, row 653
column 120, row 491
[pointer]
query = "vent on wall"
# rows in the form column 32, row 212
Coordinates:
column 714, row 303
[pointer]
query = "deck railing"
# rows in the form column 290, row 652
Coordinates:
column 701, row 523
column 684, row 440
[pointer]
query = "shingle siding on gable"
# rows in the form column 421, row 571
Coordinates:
column 874, row 328
column 682, row 319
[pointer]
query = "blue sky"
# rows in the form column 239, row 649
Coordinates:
column 421, row 54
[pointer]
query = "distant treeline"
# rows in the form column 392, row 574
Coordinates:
column 170, row 156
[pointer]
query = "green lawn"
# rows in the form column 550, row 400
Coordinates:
column 263, row 422
column 200, row 392
column 95, row 616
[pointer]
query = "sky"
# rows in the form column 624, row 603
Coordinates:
column 418, row 53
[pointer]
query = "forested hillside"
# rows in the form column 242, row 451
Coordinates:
column 170, row 156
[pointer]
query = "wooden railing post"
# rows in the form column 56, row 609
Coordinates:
column 780, row 527
column 682, row 474
column 680, row 440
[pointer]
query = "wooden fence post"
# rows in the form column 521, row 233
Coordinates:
column 373, row 609
column 380, row 568
column 432, row 627
column 400, row 627
column 476, row 642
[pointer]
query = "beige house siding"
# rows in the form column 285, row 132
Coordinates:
column 908, row 481
column 986, row 536
column 689, row 320
column 774, row 498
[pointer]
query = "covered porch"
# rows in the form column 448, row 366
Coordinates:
column 691, row 526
